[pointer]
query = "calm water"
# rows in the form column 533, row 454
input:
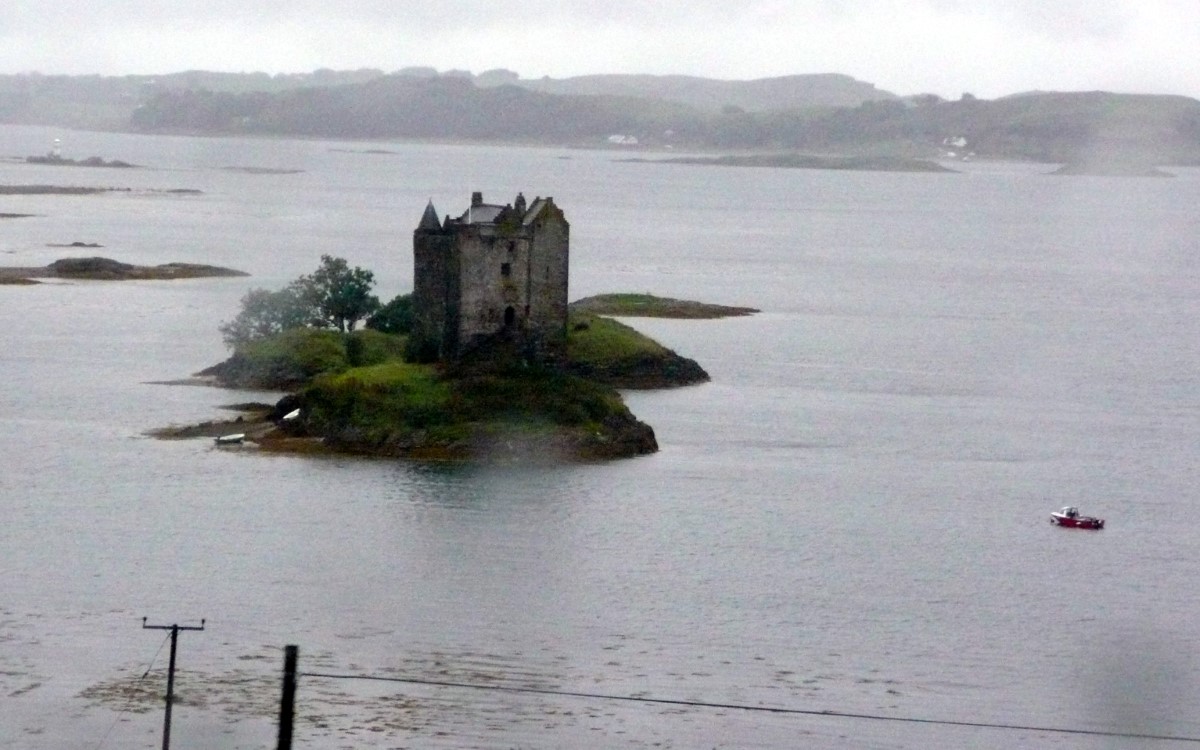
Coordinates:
column 851, row 517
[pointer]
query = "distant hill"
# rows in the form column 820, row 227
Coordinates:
column 414, row 107
column 1094, row 126
column 708, row 95
column 1073, row 127
column 108, row 101
column 1093, row 131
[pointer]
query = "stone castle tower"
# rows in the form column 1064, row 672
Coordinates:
column 494, row 273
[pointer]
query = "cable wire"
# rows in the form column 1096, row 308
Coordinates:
column 763, row 709
column 125, row 710
column 155, row 657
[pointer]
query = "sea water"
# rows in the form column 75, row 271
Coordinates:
column 851, row 517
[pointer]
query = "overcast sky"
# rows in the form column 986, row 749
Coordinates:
column 986, row 47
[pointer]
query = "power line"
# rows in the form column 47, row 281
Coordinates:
column 761, row 709
column 174, row 629
column 154, row 658
column 125, row 709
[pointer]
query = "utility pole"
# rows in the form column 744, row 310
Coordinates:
column 287, row 702
column 170, row 672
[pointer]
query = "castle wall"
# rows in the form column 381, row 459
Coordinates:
column 485, row 292
column 481, row 279
column 547, row 274
column 435, row 290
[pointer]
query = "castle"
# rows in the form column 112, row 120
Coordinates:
column 494, row 273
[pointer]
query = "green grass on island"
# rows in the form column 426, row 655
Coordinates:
column 598, row 347
column 293, row 358
column 611, row 352
column 357, row 394
column 650, row 306
column 399, row 408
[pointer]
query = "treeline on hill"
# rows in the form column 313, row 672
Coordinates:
column 1044, row 127
column 410, row 107
column 658, row 111
column 105, row 102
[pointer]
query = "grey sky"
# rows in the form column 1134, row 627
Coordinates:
column 987, row 47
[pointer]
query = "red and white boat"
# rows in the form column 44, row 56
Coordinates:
column 1069, row 516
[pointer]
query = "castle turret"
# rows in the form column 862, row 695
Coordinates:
column 429, row 220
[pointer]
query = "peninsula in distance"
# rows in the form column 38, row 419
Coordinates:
column 835, row 120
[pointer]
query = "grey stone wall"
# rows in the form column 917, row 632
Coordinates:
column 475, row 280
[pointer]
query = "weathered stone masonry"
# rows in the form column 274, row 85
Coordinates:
column 496, row 272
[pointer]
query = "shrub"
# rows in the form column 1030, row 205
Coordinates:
column 394, row 317
column 298, row 353
column 380, row 399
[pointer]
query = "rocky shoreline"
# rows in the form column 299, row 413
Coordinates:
column 264, row 427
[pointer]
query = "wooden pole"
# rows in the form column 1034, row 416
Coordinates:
column 166, row 743
column 287, row 703
column 170, row 690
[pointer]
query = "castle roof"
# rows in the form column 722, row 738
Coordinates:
column 534, row 209
column 483, row 213
column 429, row 220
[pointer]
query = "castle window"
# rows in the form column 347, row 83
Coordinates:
column 506, row 269
column 510, row 317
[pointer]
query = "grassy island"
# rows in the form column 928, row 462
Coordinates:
column 356, row 393
column 650, row 306
column 531, row 390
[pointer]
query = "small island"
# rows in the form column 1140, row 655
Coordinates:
column 1109, row 167
column 484, row 361
column 56, row 190
column 54, row 159
column 107, row 269
column 357, row 393
column 650, row 306
column 262, row 170
column 808, row 161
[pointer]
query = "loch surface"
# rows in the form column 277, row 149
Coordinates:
column 852, row 517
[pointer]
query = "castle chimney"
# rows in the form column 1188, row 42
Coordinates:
column 476, row 199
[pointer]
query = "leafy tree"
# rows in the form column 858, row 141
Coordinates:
column 334, row 296
column 265, row 314
column 394, row 317
column 340, row 295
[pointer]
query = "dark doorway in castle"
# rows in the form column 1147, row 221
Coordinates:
column 510, row 317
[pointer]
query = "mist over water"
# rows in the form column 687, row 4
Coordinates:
column 851, row 517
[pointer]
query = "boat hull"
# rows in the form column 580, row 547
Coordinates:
column 1080, row 522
